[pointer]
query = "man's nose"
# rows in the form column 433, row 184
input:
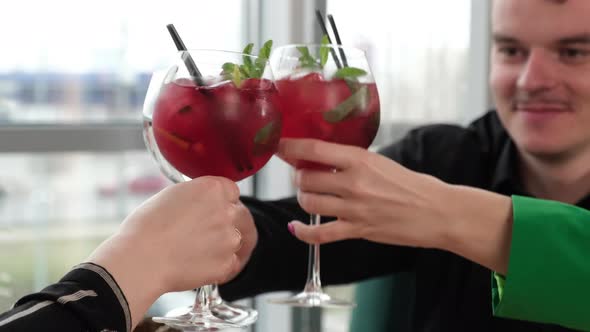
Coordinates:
column 538, row 72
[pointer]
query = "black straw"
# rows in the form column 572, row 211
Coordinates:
column 320, row 17
column 186, row 57
column 338, row 41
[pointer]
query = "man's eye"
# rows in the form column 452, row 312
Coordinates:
column 511, row 51
column 573, row 53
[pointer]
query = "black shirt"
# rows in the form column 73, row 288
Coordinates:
column 451, row 292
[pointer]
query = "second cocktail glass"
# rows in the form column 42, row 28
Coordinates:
column 327, row 92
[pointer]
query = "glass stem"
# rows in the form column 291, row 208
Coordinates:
column 202, row 301
column 314, row 284
column 214, row 296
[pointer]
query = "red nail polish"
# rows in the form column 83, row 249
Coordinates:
column 291, row 228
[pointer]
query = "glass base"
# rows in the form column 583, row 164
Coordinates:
column 313, row 299
column 235, row 314
column 186, row 320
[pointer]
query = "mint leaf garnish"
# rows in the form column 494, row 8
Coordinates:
column 349, row 72
column 248, row 67
column 344, row 109
column 324, row 51
column 264, row 133
column 266, row 137
column 185, row 109
column 306, row 59
column 248, row 50
column 232, row 72
column 228, row 69
column 265, row 50
column 237, row 76
column 263, row 56
column 244, row 71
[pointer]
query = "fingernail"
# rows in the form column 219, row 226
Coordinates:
column 291, row 228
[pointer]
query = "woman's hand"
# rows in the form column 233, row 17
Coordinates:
column 186, row 236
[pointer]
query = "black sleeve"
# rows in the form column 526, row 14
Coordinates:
column 85, row 299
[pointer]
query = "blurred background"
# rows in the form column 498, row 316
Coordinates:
column 73, row 76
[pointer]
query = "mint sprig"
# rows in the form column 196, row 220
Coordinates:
column 358, row 99
column 236, row 76
column 232, row 72
column 263, row 56
column 359, row 93
column 349, row 73
column 324, row 51
column 249, row 68
column 265, row 136
column 306, row 60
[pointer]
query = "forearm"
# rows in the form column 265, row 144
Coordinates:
column 277, row 258
column 279, row 261
column 480, row 226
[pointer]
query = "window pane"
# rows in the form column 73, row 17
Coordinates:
column 55, row 209
column 418, row 51
column 80, row 66
column 53, row 189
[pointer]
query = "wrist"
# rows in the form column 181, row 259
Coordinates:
column 130, row 268
column 480, row 226
column 448, row 211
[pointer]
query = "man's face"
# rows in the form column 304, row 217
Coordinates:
column 540, row 74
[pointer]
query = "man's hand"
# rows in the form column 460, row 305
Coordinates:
column 373, row 197
column 376, row 199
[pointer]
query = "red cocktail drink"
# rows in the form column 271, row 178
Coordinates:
column 220, row 130
column 313, row 108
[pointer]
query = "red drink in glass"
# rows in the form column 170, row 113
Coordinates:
column 219, row 130
column 306, row 101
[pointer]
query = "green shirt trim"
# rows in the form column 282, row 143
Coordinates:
column 549, row 265
column 498, row 282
